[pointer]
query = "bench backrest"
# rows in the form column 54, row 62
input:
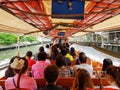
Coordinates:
column 65, row 82
column 20, row 89
column 103, row 81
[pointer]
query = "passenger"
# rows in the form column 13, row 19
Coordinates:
column 54, row 53
column 67, row 45
column 41, row 49
column 41, row 64
column 89, row 61
column 51, row 75
column 113, row 76
column 51, row 44
column 77, row 60
column 73, row 53
column 67, row 60
column 47, row 50
column 30, row 60
column 9, row 72
column 82, row 80
column 63, row 70
column 68, row 55
column 83, row 64
column 106, row 63
column 20, row 80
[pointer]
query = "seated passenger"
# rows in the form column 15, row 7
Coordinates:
column 83, row 64
column 106, row 63
column 47, row 50
column 77, row 59
column 63, row 70
column 41, row 64
column 68, row 55
column 9, row 72
column 30, row 60
column 67, row 60
column 82, row 80
column 20, row 80
column 73, row 53
column 51, row 75
column 54, row 53
column 113, row 77
column 41, row 49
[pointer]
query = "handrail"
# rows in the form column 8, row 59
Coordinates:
column 107, row 51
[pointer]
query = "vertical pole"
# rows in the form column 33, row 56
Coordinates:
column 92, row 38
column 102, row 44
column 42, row 40
column 18, row 45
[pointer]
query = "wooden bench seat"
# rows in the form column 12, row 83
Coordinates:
column 97, row 68
column 62, row 81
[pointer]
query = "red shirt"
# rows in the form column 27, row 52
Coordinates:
column 31, row 61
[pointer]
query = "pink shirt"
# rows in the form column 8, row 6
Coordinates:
column 38, row 69
column 25, row 82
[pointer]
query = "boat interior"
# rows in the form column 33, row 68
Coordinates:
column 35, row 17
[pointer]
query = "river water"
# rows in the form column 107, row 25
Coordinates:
column 90, row 52
column 7, row 54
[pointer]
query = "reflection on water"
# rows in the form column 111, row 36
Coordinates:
column 7, row 54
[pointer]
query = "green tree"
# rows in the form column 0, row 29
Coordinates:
column 31, row 38
column 28, row 38
column 7, row 38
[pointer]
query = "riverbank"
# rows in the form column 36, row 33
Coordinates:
column 2, row 48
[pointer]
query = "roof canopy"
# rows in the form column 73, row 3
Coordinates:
column 34, row 16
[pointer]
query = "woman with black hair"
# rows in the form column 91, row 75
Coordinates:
column 64, row 71
column 9, row 72
column 106, row 63
column 20, row 80
column 113, row 77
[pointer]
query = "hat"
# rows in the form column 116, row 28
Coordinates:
column 17, row 64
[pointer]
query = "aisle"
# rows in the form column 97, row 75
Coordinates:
column 94, row 54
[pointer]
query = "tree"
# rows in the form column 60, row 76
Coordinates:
column 28, row 38
column 7, row 38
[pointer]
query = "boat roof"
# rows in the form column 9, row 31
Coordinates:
column 34, row 17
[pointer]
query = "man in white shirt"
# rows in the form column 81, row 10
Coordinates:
column 83, row 64
column 47, row 49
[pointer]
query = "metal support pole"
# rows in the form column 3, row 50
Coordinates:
column 102, row 44
column 18, row 45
